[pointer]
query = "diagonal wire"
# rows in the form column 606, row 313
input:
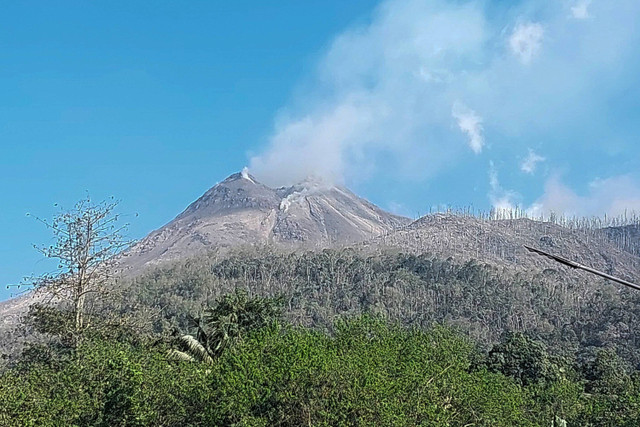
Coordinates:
column 574, row 264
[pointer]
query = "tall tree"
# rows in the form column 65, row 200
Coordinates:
column 87, row 240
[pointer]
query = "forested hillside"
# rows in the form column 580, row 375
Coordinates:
column 448, row 321
column 625, row 236
column 570, row 311
column 245, row 366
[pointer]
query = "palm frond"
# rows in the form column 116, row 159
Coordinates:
column 180, row 355
column 196, row 349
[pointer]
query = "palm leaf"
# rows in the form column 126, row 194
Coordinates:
column 196, row 349
column 180, row 355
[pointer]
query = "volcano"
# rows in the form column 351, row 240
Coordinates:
column 241, row 211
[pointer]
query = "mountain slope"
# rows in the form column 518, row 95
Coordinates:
column 501, row 243
column 242, row 211
column 627, row 237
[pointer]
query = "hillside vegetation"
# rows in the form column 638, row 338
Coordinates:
column 368, row 371
column 447, row 321
column 573, row 313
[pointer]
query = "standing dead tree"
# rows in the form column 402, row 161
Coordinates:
column 87, row 240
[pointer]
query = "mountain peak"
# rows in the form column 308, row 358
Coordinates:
column 242, row 175
column 238, row 191
column 240, row 210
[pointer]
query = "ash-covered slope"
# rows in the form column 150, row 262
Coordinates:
column 501, row 243
column 242, row 211
column 328, row 215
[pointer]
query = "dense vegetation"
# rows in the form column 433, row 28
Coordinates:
column 368, row 371
column 571, row 313
column 336, row 337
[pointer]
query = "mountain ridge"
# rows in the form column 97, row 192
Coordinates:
column 501, row 242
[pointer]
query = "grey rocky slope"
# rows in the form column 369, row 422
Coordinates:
column 501, row 243
column 242, row 211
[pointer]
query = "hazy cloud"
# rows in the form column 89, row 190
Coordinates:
column 383, row 93
column 526, row 41
column 501, row 199
column 471, row 124
column 317, row 144
column 530, row 163
column 612, row 196
column 384, row 87
column 581, row 9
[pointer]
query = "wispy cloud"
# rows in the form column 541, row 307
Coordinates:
column 530, row 163
column 501, row 199
column 526, row 40
column 581, row 9
column 380, row 88
column 471, row 124
column 612, row 196
column 382, row 96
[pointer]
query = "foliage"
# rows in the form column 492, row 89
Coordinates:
column 369, row 371
column 108, row 383
column 193, row 351
column 233, row 316
column 516, row 349
column 226, row 323
column 567, row 313
column 523, row 359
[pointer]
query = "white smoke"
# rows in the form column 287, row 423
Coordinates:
column 380, row 89
column 310, row 186
column 581, row 9
column 501, row 200
column 380, row 99
column 317, row 144
column 471, row 124
column 613, row 196
column 245, row 174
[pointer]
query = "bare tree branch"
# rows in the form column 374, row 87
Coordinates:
column 87, row 240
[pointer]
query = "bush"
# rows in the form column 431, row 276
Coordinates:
column 368, row 372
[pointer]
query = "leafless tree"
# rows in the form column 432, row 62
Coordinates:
column 87, row 240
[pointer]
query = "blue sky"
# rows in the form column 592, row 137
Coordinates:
column 411, row 103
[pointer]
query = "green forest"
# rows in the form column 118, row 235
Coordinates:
column 330, row 338
column 244, row 365
column 572, row 313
